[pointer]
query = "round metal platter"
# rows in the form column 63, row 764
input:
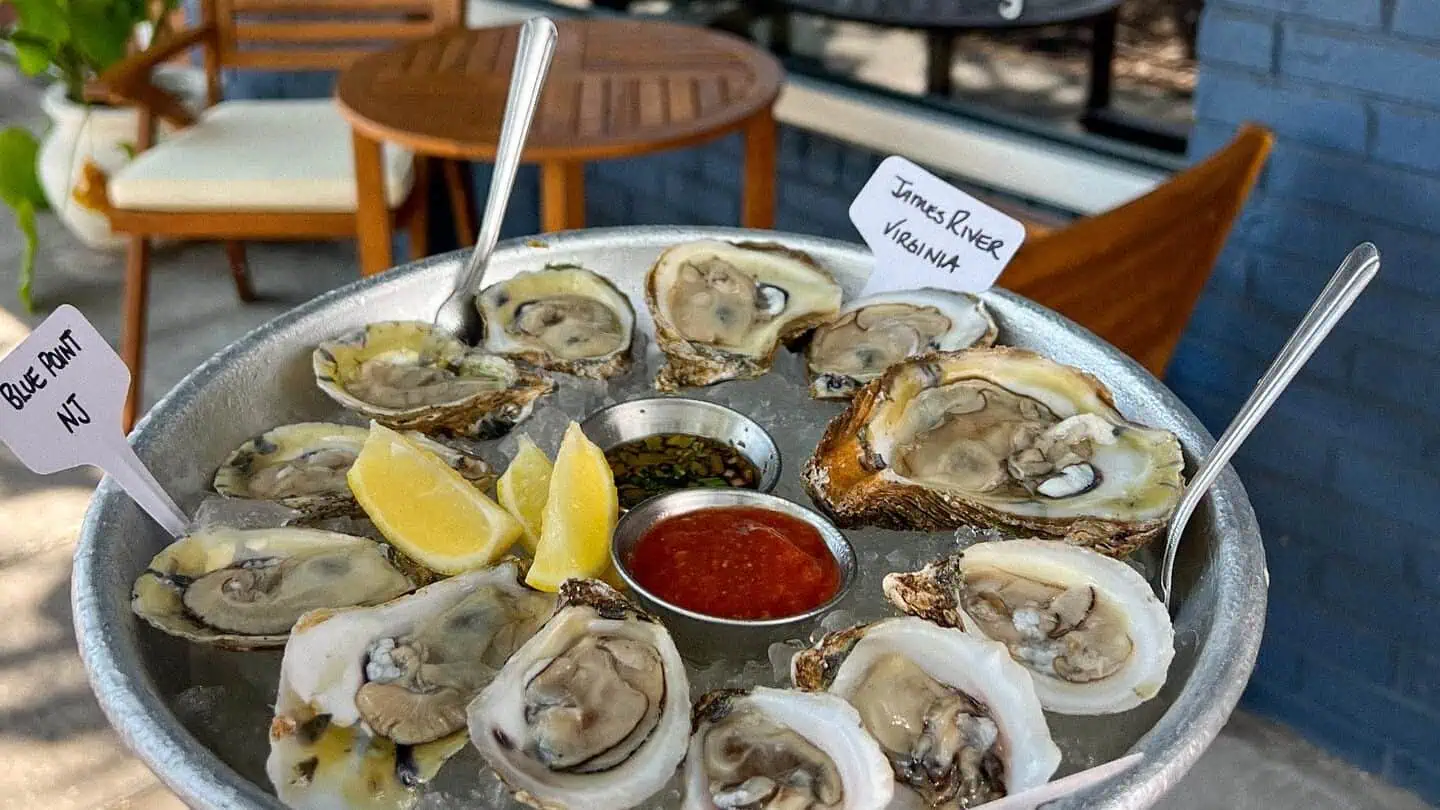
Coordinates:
column 199, row 716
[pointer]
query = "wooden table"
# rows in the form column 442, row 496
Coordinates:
column 941, row 20
column 616, row 88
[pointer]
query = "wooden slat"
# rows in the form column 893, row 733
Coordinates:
column 331, row 31
column 326, row 6
column 295, row 60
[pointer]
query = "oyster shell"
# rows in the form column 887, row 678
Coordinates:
column 878, row 331
column 593, row 712
column 564, row 318
column 997, row 437
column 780, row 749
column 243, row 589
column 721, row 310
column 302, row 466
column 372, row 700
column 958, row 720
column 407, row 376
column 1087, row 627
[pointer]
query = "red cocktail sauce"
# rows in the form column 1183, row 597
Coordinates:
column 736, row 562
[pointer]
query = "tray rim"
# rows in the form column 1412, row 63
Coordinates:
column 132, row 704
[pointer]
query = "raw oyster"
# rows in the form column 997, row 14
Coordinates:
column 878, row 331
column 243, row 589
column 721, row 310
column 407, row 376
column 593, row 712
column 564, row 318
column 303, row 466
column 1087, row 627
column 958, row 720
column 780, row 749
column 996, row 437
column 372, row 700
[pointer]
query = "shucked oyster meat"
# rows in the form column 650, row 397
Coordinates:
column 303, row 466
column 722, row 310
column 997, row 437
column 372, row 700
column 408, row 376
column 243, row 589
column 957, row 719
column 593, row 712
column 782, row 749
column 1087, row 627
column 874, row 333
column 564, row 318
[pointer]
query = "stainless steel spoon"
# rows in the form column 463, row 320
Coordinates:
column 458, row 314
column 1345, row 286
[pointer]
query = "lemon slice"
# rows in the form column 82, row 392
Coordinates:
column 524, row 487
column 580, row 513
column 427, row 509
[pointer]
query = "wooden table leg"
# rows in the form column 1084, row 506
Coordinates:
column 372, row 215
column 757, row 206
column 462, row 200
column 132, row 340
column 940, row 58
column 562, row 196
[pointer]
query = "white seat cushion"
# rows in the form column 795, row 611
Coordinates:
column 283, row 155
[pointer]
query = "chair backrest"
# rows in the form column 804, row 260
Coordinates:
column 288, row 35
column 1134, row 274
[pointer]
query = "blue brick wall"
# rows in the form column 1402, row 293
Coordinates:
column 1343, row 474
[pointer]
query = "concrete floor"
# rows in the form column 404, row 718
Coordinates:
column 64, row 754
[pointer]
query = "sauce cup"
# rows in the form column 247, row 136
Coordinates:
column 638, row 418
column 701, row 637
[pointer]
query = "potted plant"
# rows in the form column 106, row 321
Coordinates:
column 72, row 41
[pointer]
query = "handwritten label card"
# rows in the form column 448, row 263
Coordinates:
column 924, row 232
column 61, row 395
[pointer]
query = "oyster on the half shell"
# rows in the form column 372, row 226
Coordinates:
column 243, row 589
column 372, row 700
column 878, row 331
column 1086, row 626
column 303, row 467
column 997, row 437
column 564, row 318
column 408, row 376
column 782, row 749
column 593, row 712
column 957, row 719
column 722, row 310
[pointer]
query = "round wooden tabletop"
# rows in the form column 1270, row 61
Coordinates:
column 615, row 88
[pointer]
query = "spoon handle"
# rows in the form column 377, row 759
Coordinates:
column 1345, row 286
column 532, row 62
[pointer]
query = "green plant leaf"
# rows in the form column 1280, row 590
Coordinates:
column 43, row 18
column 102, row 31
column 25, row 221
column 19, row 178
column 33, row 58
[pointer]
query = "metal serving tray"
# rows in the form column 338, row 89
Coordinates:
column 198, row 716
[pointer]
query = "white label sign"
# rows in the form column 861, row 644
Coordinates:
column 62, row 391
column 924, row 232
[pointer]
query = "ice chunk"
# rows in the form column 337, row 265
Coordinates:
column 780, row 654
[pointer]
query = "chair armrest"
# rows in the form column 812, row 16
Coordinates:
column 128, row 82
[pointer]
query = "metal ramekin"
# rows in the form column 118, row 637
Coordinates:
column 639, row 418
column 702, row 637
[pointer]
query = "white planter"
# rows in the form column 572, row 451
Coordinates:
column 82, row 134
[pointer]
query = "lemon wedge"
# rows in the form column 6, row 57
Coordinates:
column 524, row 487
column 427, row 509
column 580, row 513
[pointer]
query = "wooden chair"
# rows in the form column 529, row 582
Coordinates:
column 255, row 170
column 1134, row 274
